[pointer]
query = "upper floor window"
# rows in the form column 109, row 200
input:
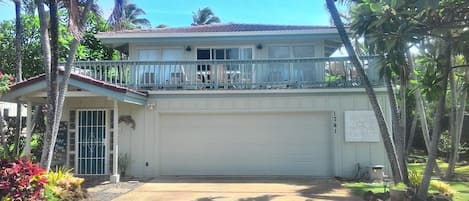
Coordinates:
column 224, row 53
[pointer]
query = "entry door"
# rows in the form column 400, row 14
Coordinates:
column 91, row 142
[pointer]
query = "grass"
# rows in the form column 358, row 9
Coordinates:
column 359, row 188
column 462, row 188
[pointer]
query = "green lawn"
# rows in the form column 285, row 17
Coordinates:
column 462, row 188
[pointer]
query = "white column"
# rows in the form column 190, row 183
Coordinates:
column 29, row 130
column 115, row 177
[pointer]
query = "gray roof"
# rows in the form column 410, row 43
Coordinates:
column 230, row 27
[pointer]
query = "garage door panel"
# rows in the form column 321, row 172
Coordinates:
column 245, row 144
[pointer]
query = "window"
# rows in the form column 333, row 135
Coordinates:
column 224, row 53
column 229, row 71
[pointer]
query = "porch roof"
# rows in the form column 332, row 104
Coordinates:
column 99, row 87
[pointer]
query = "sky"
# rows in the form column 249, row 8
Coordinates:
column 177, row 13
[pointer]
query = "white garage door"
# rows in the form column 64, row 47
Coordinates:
column 246, row 144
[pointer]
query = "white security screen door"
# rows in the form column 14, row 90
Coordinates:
column 91, row 142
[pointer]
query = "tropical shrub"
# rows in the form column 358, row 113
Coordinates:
column 442, row 187
column 415, row 177
column 64, row 186
column 20, row 179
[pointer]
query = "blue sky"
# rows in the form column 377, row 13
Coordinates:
column 177, row 13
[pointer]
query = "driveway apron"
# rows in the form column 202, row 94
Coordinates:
column 241, row 189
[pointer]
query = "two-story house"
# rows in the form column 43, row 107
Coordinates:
column 224, row 99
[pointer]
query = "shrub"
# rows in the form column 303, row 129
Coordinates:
column 442, row 187
column 415, row 177
column 64, row 185
column 20, row 179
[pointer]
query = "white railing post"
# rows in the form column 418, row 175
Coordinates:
column 29, row 130
column 115, row 177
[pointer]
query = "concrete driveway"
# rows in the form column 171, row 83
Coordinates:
column 241, row 189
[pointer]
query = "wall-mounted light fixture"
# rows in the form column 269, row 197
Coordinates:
column 259, row 46
column 188, row 48
column 150, row 106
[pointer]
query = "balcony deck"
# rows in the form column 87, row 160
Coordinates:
column 331, row 72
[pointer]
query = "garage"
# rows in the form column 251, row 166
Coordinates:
column 283, row 143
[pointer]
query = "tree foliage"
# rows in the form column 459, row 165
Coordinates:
column 89, row 49
column 204, row 16
column 127, row 16
column 438, row 28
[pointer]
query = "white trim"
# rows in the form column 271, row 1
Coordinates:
column 264, row 91
column 116, row 139
column 111, row 35
column 107, row 140
column 69, row 94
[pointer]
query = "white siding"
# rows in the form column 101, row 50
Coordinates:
column 144, row 142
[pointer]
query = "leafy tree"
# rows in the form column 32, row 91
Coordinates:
column 204, row 16
column 393, row 26
column 30, row 46
column 90, row 48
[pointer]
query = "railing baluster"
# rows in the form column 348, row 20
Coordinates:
column 229, row 74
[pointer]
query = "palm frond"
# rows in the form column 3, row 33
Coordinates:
column 204, row 16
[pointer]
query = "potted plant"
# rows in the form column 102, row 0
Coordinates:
column 123, row 163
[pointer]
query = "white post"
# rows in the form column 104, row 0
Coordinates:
column 29, row 130
column 115, row 177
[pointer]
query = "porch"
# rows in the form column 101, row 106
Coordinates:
column 299, row 73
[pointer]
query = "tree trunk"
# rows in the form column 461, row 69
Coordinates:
column 19, row 78
column 402, row 132
column 34, row 120
column 458, row 122
column 46, row 51
column 410, row 140
column 444, row 63
column 64, row 83
column 420, row 107
column 3, row 124
column 387, row 140
column 396, row 125
column 454, row 146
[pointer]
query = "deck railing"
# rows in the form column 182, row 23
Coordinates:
column 331, row 72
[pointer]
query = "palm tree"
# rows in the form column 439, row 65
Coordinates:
column 132, row 14
column 19, row 77
column 77, row 18
column 387, row 140
column 126, row 15
column 117, row 15
column 204, row 16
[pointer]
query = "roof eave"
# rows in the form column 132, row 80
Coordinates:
column 134, row 35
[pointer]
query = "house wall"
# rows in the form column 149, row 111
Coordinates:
column 257, row 53
column 140, row 143
column 11, row 109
